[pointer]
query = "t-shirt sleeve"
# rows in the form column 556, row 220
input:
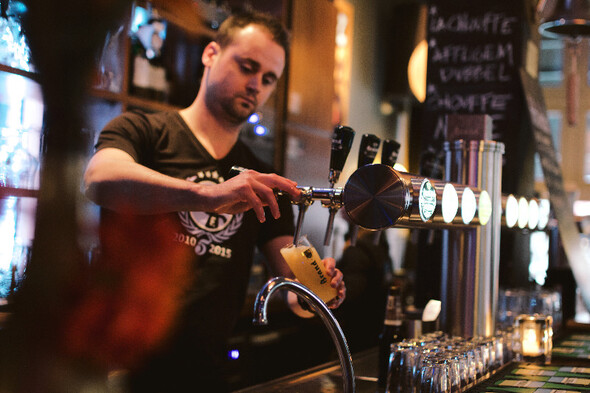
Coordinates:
column 130, row 132
column 284, row 225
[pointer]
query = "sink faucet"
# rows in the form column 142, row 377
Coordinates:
column 321, row 309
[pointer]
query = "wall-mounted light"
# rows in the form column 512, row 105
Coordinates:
column 417, row 70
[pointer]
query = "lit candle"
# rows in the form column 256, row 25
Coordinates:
column 531, row 336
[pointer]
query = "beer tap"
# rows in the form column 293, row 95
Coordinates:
column 367, row 153
column 341, row 143
column 389, row 154
column 304, row 202
column 327, row 196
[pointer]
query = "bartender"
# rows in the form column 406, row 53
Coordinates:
column 173, row 166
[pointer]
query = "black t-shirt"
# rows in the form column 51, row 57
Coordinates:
column 222, row 245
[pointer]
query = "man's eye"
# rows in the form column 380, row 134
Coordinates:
column 246, row 67
column 268, row 81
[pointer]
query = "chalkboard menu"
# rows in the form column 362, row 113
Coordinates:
column 578, row 258
column 474, row 54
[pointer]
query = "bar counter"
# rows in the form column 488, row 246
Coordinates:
column 570, row 360
column 325, row 378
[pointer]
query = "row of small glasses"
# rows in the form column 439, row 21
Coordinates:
column 436, row 363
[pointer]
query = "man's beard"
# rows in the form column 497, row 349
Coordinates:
column 229, row 109
column 236, row 111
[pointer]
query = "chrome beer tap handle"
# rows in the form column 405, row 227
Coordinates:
column 330, row 197
column 332, row 201
column 320, row 308
column 304, row 202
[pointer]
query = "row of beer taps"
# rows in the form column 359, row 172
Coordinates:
column 332, row 197
column 376, row 196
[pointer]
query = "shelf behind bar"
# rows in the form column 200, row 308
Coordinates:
column 18, row 192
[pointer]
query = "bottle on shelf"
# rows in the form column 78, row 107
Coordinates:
column 391, row 333
column 148, row 78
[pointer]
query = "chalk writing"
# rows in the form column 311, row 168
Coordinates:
column 475, row 74
column 489, row 23
column 480, row 53
column 471, row 103
column 473, row 59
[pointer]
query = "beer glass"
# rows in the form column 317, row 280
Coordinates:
column 308, row 268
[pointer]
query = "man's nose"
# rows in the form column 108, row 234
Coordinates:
column 254, row 84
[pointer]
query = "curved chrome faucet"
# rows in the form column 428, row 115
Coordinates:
column 321, row 309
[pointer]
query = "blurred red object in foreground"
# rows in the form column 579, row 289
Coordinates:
column 129, row 298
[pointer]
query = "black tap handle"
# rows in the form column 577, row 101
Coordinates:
column 390, row 152
column 367, row 153
column 368, row 149
column 341, row 144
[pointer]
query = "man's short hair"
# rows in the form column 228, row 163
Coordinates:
column 240, row 20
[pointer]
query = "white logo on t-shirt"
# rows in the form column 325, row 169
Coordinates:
column 209, row 228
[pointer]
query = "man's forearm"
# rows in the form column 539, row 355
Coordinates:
column 126, row 186
column 114, row 180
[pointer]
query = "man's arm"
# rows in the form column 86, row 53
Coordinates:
column 278, row 267
column 114, row 180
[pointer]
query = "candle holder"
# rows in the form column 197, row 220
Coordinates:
column 533, row 341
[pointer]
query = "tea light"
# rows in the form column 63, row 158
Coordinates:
column 535, row 334
column 531, row 337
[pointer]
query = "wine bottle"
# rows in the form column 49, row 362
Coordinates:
column 392, row 332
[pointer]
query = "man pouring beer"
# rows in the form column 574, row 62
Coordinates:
column 173, row 166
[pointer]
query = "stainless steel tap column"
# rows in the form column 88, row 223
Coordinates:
column 471, row 257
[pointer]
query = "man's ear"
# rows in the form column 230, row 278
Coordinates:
column 210, row 52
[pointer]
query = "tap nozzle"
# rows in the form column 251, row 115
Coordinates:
column 303, row 203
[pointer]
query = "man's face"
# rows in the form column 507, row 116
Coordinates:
column 241, row 76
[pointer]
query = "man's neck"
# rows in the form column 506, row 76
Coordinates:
column 216, row 137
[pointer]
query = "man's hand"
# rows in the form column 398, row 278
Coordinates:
column 250, row 190
column 337, row 282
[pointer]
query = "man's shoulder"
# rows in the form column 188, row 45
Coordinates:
column 248, row 155
column 137, row 116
